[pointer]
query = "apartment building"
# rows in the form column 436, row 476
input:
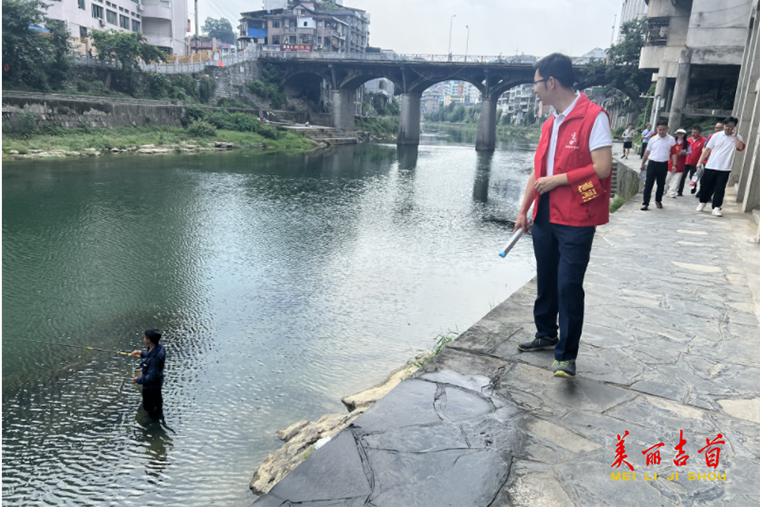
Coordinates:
column 632, row 9
column 517, row 101
column 162, row 22
column 313, row 26
column 695, row 49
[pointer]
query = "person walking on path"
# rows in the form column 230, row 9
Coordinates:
column 628, row 135
column 152, row 378
column 720, row 150
column 676, row 168
column 701, row 167
column 657, row 154
column 696, row 145
column 570, row 192
column 646, row 135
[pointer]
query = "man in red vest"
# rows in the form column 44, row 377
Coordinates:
column 570, row 194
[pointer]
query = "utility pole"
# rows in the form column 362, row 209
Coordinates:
column 451, row 26
column 197, row 40
column 467, row 46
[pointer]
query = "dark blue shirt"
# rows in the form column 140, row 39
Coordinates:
column 152, row 368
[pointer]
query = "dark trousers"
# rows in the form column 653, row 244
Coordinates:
column 687, row 173
column 153, row 402
column 562, row 254
column 643, row 149
column 656, row 171
column 713, row 185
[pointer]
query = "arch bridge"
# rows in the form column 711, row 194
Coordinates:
column 412, row 75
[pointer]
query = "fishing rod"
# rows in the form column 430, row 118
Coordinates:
column 79, row 347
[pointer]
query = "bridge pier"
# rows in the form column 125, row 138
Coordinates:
column 486, row 139
column 409, row 119
column 343, row 109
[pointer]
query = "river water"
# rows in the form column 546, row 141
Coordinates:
column 281, row 282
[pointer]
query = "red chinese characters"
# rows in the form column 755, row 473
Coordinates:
column 712, row 451
column 620, row 454
column 653, row 454
column 681, row 457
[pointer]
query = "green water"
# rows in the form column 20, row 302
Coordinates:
column 282, row 283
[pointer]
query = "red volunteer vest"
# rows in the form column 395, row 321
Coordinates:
column 586, row 200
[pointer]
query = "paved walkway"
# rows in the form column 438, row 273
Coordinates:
column 670, row 344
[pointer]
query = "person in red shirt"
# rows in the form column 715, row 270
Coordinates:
column 675, row 170
column 696, row 143
column 570, row 194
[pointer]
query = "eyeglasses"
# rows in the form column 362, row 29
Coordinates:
column 541, row 80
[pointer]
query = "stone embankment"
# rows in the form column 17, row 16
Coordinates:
column 144, row 149
column 304, row 437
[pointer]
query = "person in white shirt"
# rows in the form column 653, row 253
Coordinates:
column 658, row 154
column 720, row 150
column 628, row 140
column 646, row 134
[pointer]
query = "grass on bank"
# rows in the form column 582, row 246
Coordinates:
column 103, row 139
column 440, row 342
column 384, row 126
column 526, row 133
column 615, row 205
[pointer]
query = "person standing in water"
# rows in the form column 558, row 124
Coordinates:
column 152, row 378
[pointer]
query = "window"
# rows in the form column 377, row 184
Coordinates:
column 121, row 9
column 135, row 26
column 275, row 24
column 111, row 17
column 97, row 11
column 276, row 39
column 124, row 22
column 83, row 31
column 109, row 3
column 319, row 40
column 305, row 23
column 80, row 3
column 292, row 39
column 319, row 23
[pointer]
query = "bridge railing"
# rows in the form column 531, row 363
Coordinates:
column 396, row 57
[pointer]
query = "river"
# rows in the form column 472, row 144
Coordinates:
column 281, row 283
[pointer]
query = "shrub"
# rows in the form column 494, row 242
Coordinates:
column 268, row 91
column 222, row 119
column 26, row 125
column 228, row 102
column 158, row 85
column 192, row 114
column 206, row 89
column 201, row 128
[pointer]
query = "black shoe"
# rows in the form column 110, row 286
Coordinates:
column 644, row 207
column 659, row 205
column 679, row 194
column 543, row 343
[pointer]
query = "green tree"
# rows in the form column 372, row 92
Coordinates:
column 621, row 70
column 221, row 29
column 126, row 47
column 35, row 59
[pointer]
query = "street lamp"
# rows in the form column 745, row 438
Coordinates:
column 467, row 46
column 451, row 26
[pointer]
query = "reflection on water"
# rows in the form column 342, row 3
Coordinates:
column 282, row 283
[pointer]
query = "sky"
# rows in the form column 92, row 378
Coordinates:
column 507, row 27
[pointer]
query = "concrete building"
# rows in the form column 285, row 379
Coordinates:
column 162, row 22
column 695, row 49
column 381, row 85
column 306, row 26
column 632, row 9
column 746, row 166
column 517, row 101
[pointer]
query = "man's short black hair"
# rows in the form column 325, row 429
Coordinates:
column 696, row 127
column 662, row 122
column 558, row 66
column 728, row 120
column 154, row 335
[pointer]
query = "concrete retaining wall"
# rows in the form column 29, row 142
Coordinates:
column 626, row 179
column 71, row 111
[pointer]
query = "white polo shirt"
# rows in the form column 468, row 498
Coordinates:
column 659, row 147
column 600, row 137
column 723, row 148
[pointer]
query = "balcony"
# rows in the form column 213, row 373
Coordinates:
column 657, row 31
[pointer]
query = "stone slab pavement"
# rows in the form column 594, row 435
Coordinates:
column 671, row 344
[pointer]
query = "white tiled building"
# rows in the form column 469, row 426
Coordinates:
column 163, row 22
